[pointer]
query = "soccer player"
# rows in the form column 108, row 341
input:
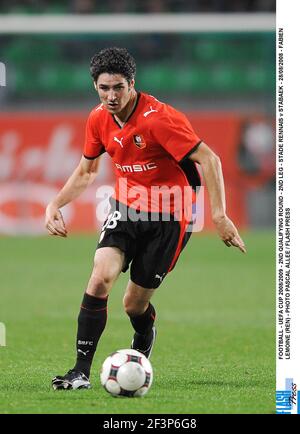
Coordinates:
column 152, row 145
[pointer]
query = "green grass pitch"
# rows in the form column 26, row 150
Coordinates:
column 215, row 349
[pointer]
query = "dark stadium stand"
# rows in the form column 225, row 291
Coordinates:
column 135, row 6
column 199, row 63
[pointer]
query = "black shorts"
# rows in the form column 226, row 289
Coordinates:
column 152, row 247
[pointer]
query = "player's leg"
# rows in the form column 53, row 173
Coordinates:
column 108, row 263
column 160, row 243
column 142, row 314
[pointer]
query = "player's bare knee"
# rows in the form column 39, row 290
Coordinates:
column 134, row 307
column 99, row 285
column 133, row 311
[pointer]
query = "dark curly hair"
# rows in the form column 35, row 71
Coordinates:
column 113, row 61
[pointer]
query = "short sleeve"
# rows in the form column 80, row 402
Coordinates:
column 175, row 134
column 93, row 146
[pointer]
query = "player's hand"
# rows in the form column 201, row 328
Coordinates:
column 229, row 234
column 54, row 221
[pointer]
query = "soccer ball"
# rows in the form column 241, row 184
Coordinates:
column 126, row 373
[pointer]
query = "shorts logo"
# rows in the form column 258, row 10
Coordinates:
column 139, row 141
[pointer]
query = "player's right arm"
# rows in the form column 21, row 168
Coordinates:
column 84, row 174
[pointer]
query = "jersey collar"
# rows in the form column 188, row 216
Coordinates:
column 132, row 112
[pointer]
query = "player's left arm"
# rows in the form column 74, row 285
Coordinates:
column 213, row 175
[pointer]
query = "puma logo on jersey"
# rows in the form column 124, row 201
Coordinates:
column 119, row 141
column 150, row 111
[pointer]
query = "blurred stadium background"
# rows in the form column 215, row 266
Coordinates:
column 222, row 79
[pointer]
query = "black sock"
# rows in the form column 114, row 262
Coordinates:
column 142, row 324
column 91, row 323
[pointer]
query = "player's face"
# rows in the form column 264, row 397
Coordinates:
column 114, row 91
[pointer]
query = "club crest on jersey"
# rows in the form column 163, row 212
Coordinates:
column 139, row 141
